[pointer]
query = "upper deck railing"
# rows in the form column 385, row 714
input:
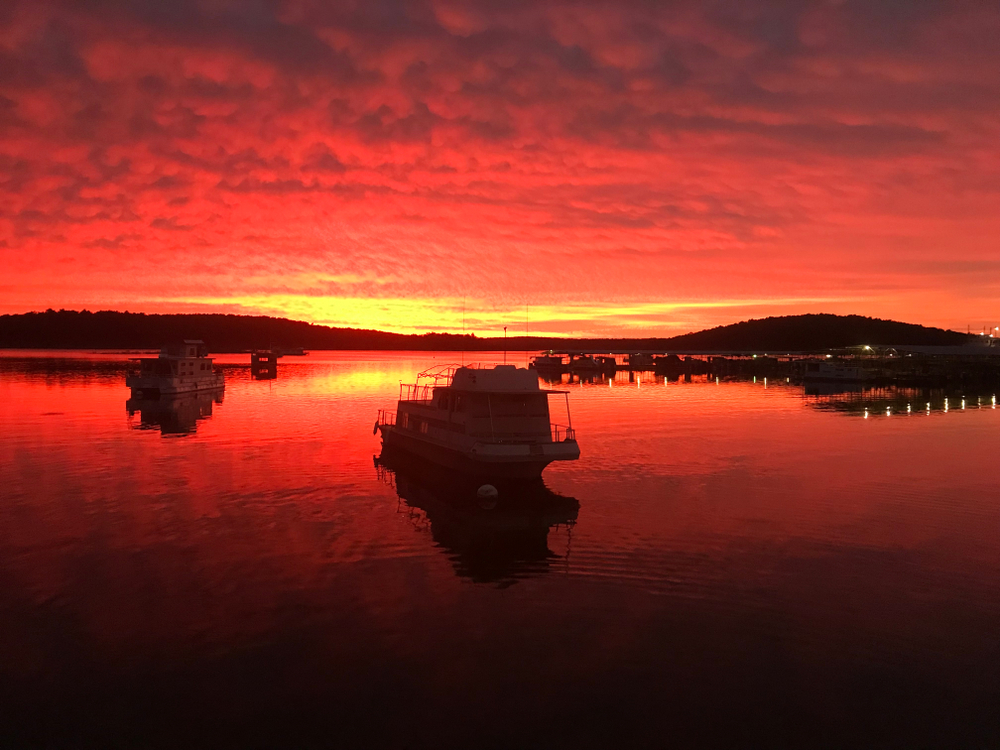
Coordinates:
column 434, row 377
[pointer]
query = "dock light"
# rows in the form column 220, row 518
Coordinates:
column 716, row 379
column 755, row 378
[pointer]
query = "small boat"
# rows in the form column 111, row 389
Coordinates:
column 490, row 422
column 830, row 372
column 180, row 369
column 641, row 362
column 548, row 364
column 585, row 365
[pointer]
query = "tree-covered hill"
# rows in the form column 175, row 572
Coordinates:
column 68, row 329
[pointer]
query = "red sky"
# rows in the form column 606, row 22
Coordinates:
column 626, row 166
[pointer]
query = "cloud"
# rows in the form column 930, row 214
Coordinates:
column 505, row 152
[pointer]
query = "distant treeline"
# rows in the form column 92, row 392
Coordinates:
column 68, row 329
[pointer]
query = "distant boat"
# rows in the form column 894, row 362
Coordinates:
column 641, row 362
column 830, row 372
column 488, row 422
column 548, row 364
column 180, row 369
column 588, row 365
column 295, row 351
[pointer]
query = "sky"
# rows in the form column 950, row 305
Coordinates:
column 587, row 168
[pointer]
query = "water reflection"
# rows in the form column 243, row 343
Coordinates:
column 178, row 415
column 488, row 540
column 866, row 402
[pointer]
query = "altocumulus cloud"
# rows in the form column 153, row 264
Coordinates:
column 595, row 154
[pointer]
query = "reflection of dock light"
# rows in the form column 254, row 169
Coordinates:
column 909, row 408
column 888, row 411
column 866, row 414
column 946, row 404
column 963, row 403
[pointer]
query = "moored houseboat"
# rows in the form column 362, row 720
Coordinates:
column 180, row 369
column 492, row 422
column 832, row 372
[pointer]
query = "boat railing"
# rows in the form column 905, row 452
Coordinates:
column 386, row 417
column 416, row 392
column 561, row 432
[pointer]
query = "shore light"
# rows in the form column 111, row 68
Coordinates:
column 866, row 413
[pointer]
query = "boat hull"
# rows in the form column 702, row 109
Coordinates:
column 153, row 387
column 475, row 463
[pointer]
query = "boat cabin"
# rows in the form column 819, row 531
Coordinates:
column 501, row 404
column 188, row 358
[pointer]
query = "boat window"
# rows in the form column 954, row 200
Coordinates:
column 459, row 404
column 444, row 401
column 423, row 427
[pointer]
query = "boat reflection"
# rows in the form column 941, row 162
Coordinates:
column 176, row 415
column 497, row 540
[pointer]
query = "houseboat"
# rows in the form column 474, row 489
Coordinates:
column 831, row 372
column 491, row 422
column 548, row 365
column 180, row 369
column 585, row 365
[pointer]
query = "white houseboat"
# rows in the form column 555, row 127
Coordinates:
column 492, row 422
column 180, row 369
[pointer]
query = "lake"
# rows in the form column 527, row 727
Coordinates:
column 731, row 564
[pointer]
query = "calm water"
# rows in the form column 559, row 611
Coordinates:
column 728, row 565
